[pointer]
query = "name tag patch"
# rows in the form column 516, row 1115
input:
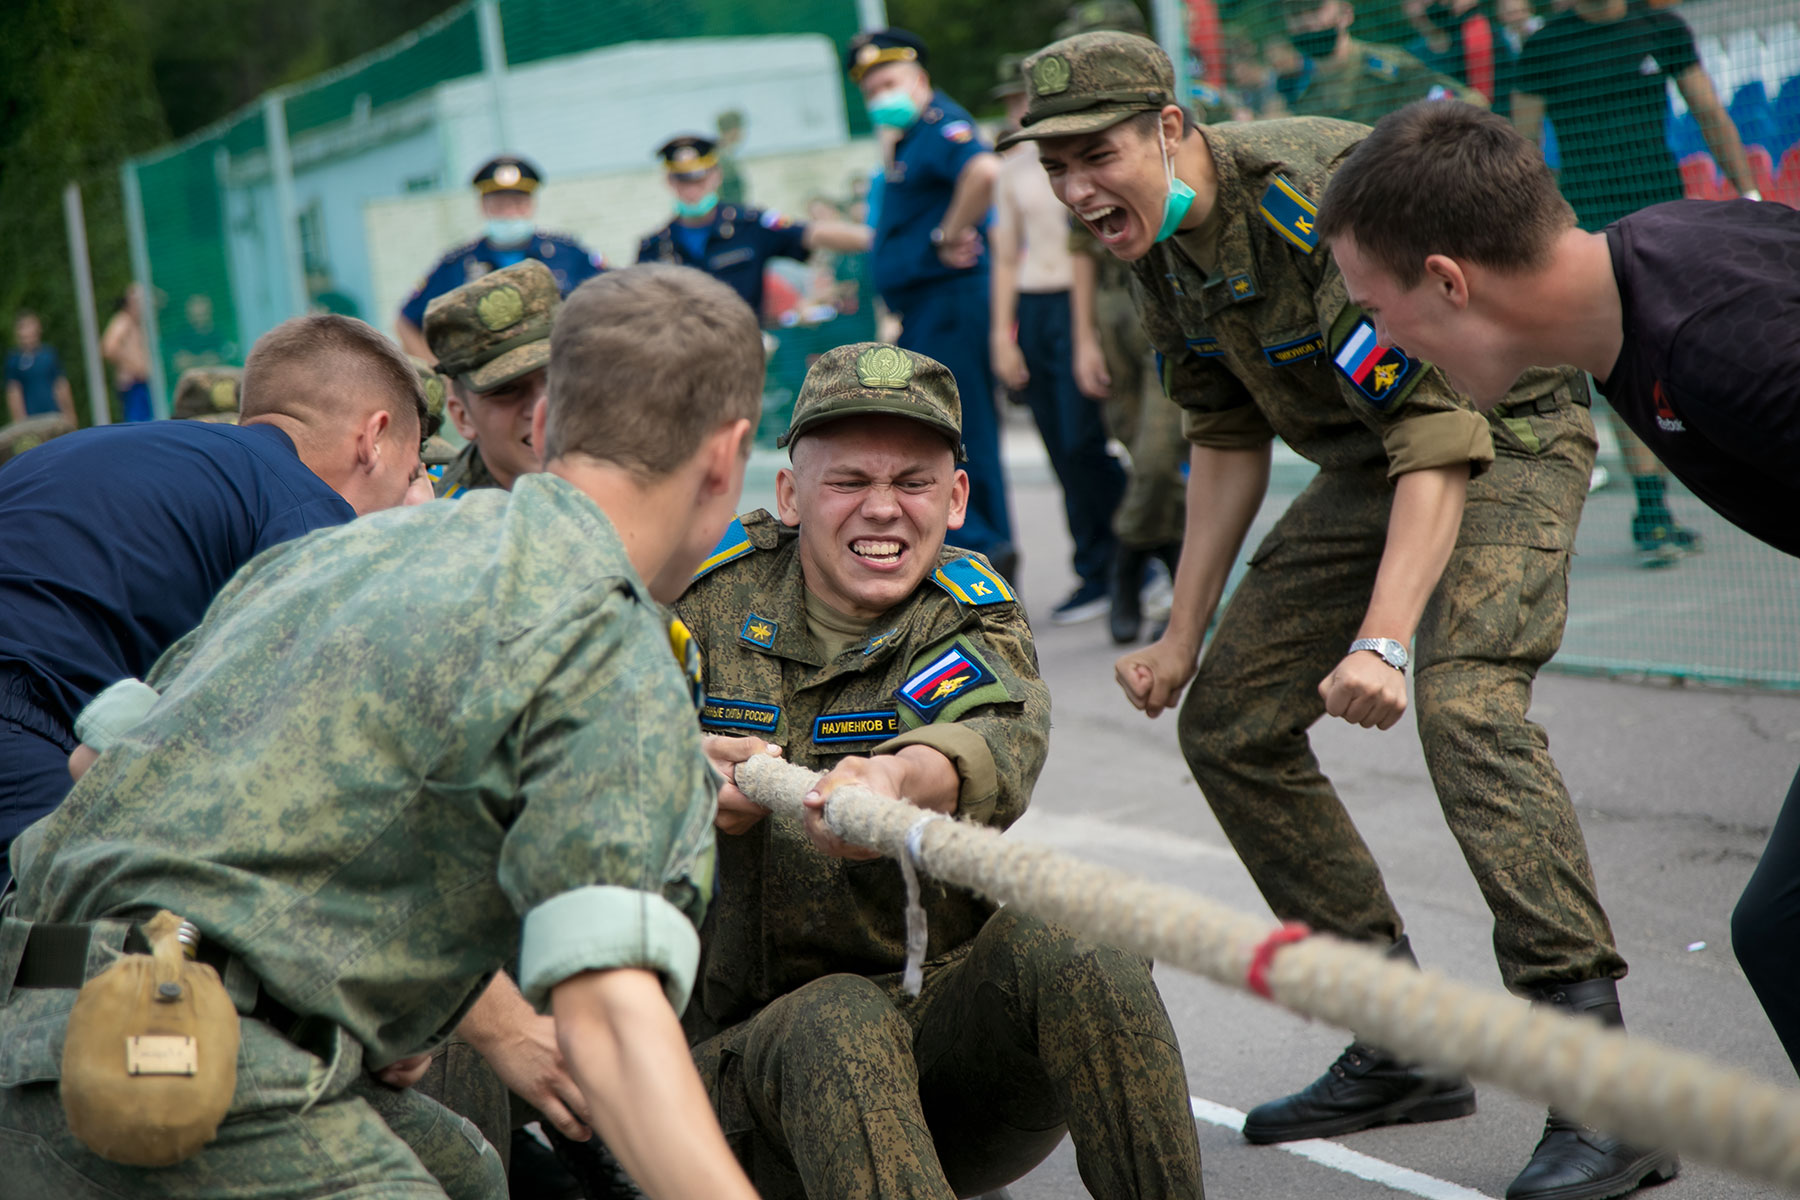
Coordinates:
column 941, row 681
column 1375, row 370
column 730, row 258
column 1205, row 347
column 1288, row 353
column 746, row 715
column 875, row 725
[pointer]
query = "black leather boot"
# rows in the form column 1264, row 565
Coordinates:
column 1126, row 620
column 1364, row 1088
column 1573, row 1161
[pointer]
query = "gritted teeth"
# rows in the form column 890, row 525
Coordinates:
column 872, row 548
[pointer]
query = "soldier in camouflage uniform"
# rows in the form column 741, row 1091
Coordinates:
column 366, row 819
column 208, row 394
column 492, row 341
column 1351, row 80
column 1115, row 365
column 860, row 642
column 1425, row 517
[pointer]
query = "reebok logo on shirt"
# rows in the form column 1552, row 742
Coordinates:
column 1666, row 420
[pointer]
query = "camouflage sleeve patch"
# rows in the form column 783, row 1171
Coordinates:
column 734, row 545
column 947, row 681
column 973, row 582
column 1291, row 213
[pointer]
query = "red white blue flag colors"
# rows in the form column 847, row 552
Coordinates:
column 1375, row 370
column 949, row 675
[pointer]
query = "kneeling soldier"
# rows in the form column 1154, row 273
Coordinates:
column 845, row 631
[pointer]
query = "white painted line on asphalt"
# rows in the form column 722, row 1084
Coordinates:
column 1342, row 1158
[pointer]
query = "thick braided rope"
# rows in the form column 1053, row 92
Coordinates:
column 1646, row 1093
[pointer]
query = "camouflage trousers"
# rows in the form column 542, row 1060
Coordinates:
column 304, row 1122
column 1496, row 617
column 849, row 1090
column 1152, row 512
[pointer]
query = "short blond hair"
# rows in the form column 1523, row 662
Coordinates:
column 298, row 370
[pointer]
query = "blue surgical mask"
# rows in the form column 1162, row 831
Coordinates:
column 1179, row 200
column 893, row 109
column 510, row 231
column 698, row 208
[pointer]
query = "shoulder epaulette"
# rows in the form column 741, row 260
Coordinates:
column 1291, row 213
column 734, row 545
column 972, row 581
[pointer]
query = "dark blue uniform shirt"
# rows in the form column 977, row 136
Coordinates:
column 567, row 260
column 113, row 541
column 916, row 193
column 36, row 374
column 733, row 248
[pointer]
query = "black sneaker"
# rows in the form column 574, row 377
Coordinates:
column 1574, row 1162
column 1364, row 1088
column 1661, row 540
column 1090, row 600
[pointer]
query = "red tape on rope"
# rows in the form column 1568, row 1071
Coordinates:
column 1257, row 977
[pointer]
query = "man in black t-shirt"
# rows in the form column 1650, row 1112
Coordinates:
column 1600, row 69
column 1688, row 312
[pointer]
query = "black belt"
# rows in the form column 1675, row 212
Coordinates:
column 56, row 956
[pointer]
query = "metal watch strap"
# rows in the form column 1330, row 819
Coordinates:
column 1381, row 648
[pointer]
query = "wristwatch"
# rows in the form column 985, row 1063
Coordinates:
column 1392, row 653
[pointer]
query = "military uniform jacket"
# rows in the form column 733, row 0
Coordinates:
column 570, row 263
column 1269, row 344
column 467, row 472
column 1371, row 83
column 738, row 244
column 368, row 764
column 915, row 195
column 952, row 667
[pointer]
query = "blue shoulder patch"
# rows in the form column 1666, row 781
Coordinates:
column 735, row 544
column 1203, row 347
column 1291, row 213
column 972, row 582
column 1381, row 68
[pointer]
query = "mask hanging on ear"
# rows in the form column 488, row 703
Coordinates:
column 1179, row 199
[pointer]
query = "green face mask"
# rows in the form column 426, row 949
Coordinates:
column 698, row 208
column 1179, row 200
column 893, row 109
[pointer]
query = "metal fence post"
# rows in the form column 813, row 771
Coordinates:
column 287, row 212
column 493, row 66
column 1170, row 18
column 98, row 403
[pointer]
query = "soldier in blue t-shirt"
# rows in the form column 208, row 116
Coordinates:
column 508, row 188
column 35, row 383
column 732, row 242
column 930, row 260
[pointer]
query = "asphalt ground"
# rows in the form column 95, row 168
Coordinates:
column 1676, row 788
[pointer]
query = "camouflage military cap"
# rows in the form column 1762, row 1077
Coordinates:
column 496, row 329
column 1009, row 80
column 1085, row 16
column 875, row 379
column 1090, row 82
column 431, row 417
column 208, row 393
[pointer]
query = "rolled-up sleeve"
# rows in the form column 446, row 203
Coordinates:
column 979, row 782
column 1439, row 439
column 609, row 858
column 604, row 928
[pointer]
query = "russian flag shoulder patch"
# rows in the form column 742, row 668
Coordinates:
column 1380, row 374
